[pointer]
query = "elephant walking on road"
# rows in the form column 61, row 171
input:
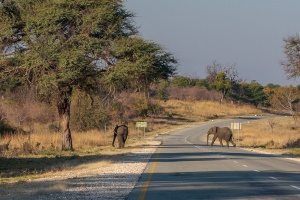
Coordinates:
column 222, row 134
column 121, row 132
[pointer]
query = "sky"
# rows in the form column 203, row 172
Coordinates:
column 246, row 33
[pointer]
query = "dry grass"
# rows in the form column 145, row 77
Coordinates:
column 277, row 134
column 39, row 153
column 203, row 110
column 178, row 113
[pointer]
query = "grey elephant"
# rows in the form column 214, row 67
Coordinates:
column 222, row 134
column 121, row 132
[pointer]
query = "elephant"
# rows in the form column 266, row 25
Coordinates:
column 222, row 134
column 121, row 132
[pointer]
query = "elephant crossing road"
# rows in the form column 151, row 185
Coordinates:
column 222, row 134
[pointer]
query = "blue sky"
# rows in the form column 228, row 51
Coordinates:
column 248, row 33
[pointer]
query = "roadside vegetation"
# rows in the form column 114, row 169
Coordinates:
column 67, row 78
column 277, row 135
column 38, row 153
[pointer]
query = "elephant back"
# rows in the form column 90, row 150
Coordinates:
column 226, row 133
column 226, row 129
column 122, row 129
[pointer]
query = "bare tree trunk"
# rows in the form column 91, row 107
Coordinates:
column 64, row 105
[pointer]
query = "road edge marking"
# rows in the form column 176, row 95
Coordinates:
column 146, row 185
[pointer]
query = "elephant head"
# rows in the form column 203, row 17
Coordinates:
column 212, row 130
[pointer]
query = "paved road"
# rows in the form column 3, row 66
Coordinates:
column 184, row 167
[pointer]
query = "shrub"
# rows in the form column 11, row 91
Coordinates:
column 5, row 128
column 88, row 113
column 192, row 93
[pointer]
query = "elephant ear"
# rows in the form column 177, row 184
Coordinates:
column 215, row 130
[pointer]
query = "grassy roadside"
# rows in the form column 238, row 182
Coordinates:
column 41, row 164
column 279, row 135
column 25, row 160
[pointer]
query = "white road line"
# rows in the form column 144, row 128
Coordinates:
column 298, row 188
column 245, row 166
column 271, row 177
column 256, row 171
column 235, row 161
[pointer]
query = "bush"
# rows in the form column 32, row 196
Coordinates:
column 5, row 128
column 192, row 93
column 88, row 113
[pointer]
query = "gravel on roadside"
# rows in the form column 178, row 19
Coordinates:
column 114, row 181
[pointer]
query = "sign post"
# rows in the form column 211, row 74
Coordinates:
column 141, row 125
column 236, row 126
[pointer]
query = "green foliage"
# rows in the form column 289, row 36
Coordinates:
column 221, row 84
column 58, row 46
column 253, row 93
column 202, row 83
column 54, row 42
column 139, row 64
column 272, row 86
column 183, row 81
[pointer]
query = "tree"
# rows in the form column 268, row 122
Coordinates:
column 222, row 84
column 183, row 81
column 142, row 63
column 253, row 93
column 289, row 96
column 213, row 70
column 217, row 74
column 59, row 45
column 285, row 97
column 292, row 53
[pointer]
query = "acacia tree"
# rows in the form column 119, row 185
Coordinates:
column 57, row 45
column 142, row 63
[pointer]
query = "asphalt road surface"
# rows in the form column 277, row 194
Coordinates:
column 184, row 167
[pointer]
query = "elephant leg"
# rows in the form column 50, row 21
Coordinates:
column 123, row 140
column 231, row 140
column 221, row 142
column 213, row 140
column 232, row 143
column 120, row 140
column 227, row 143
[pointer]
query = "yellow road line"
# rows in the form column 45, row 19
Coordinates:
column 146, row 185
